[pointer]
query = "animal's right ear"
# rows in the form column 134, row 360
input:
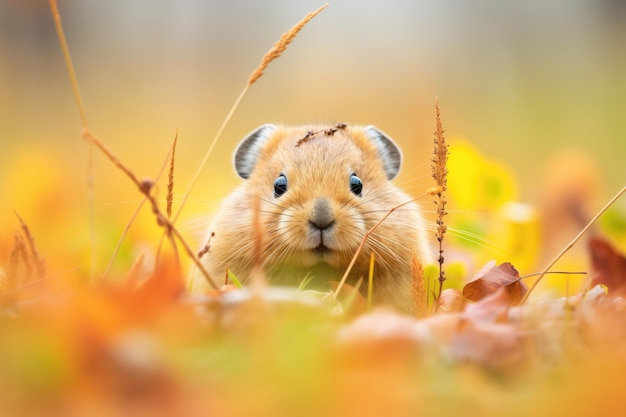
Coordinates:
column 248, row 150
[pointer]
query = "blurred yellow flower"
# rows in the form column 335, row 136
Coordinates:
column 486, row 216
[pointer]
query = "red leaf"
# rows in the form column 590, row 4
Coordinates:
column 490, row 279
column 609, row 266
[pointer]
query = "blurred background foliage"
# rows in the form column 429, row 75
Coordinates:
column 533, row 98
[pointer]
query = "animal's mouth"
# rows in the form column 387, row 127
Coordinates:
column 321, row 249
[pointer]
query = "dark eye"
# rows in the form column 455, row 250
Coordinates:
column 356, row 185
column 280, row 185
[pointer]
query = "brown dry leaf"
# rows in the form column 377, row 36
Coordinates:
column 491, row 278
column 492, row 308
column 497, row 346
column 484, row 335
column 609, row 266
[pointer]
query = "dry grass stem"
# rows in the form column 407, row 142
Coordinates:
column 18, row 253
column 118, row 245
column 68, row 61
column 134, row 275
column 572, row 243
column 418, row 287
column 145, row 187
column 175, row 250
column 83, row 116
column 440, row 175
column 370, row 280
column 280, row 46
column 33, row 255
column 132, row 220
column 170, row 177
column 367, row 235
column 256, row 74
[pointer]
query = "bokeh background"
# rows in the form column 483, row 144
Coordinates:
column 532, row 94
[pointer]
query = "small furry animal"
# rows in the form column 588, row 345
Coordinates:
column 319, row 190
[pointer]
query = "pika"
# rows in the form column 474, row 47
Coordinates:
column 320, row 190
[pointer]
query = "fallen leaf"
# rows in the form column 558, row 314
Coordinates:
column 492, row 308
column 491, row 278
column 496, row 346
column 609, row 266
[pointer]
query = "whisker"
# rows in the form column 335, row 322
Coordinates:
column 476, row 239
column 477, row 213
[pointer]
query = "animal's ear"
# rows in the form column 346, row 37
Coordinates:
column 248, row 150
column 388, row 151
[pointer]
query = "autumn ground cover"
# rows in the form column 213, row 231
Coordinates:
column 87, row 341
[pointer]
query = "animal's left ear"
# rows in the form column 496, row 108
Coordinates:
column 388, row 151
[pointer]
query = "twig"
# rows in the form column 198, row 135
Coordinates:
column 572, row 243
column 132, row 220
column 145, row 186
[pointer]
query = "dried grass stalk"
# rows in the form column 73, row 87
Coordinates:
column 38, row 262
column 280, row 46
column 370, row 281
column 367, row 236
column 440, row 175
column 132, row 220
column 572, row 243
column 145, row 187
column 418, row 287
column 83, row 116
column 170, row 177
column 134, row 275
column 18, row 254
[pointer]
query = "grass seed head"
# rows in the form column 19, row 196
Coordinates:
column 280, row 46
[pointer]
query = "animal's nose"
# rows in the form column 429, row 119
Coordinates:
column 322, row 216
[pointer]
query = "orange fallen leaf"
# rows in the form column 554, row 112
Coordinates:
column 609, row 266
column 492, row 308
column 491, row 278
column 496, row 346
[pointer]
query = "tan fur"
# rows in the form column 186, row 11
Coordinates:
column 319, row 168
